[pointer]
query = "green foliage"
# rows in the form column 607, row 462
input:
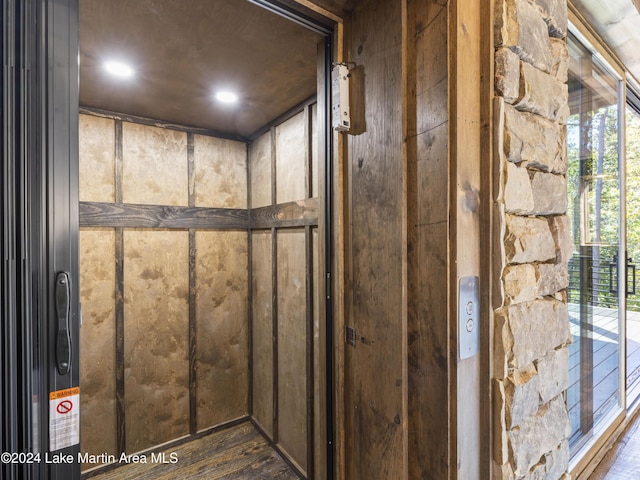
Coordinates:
column 597, row 175
column 633, row 195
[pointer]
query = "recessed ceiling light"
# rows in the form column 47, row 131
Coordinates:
column 118, row 69
column 226, row 96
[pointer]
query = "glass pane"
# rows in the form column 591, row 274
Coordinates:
column 593, row 183
column 633, row 253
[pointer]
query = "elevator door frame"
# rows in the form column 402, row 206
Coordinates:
column 49, row 229
column 40, row 226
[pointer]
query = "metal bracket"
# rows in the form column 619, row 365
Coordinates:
column 350, row 335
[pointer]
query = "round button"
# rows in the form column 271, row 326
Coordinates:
column 470, row 325
column 469, row 308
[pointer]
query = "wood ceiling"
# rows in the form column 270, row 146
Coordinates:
column 182, row 50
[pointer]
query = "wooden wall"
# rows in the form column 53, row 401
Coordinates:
column 283, row 166
column 375, row 391
column 164, row 258
column 202, row 305
column 428, row 324
column 412, row 190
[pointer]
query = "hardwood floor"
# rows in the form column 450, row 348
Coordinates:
column 239, row 452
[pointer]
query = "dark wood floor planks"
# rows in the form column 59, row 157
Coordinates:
column 235, row 453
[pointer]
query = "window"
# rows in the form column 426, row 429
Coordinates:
column 594, row 208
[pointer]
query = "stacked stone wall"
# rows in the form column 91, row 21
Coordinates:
column 531, row 325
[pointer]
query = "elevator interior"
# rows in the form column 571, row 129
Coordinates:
column 201, row 227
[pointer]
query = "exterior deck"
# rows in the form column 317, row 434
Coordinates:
column 604, row 338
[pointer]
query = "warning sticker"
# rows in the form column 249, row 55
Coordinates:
column 64, row 418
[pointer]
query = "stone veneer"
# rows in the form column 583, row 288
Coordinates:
column 531, row 324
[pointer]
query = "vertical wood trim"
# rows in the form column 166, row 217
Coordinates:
column 308, row 152
column 310, row 351
column 452, row 273
column 408, row 156
column 118, row 160
column 274, row 325
column 341, row 267
column 464, row 232
column 487, row 9
column 119, row 332
column 250, row 318
column 121, row 434
column 274, row 286
column 417, row 428
column 193, row 335
column 191, row 168
column 274, row 154
column 193, row 320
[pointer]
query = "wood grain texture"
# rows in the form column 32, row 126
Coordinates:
column 156, row 279
column 121, row 427
column 193, row 332
column 292, row 345
column 154, row 122
column 160, row 216
column 97, row 159
column 375, row 370
column 155, row 169
column 311, row 351
column 428, row 327
column 268, row 59
column 291, row 151
column 487, row 246
column 235, row 453
column 261, row 268
column 260, row 170
column 319, row 358
column 97, row 336
column 222, row 345
column 468, row 381
column 292, row 214
column 315, row 154
column 220, row 173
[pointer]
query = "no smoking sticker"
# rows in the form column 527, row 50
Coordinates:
column 64, row 418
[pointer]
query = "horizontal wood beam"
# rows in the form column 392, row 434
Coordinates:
column 293, row 214
column 97, row 214
column 302, row 213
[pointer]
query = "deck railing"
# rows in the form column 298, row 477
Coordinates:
column 603, row 286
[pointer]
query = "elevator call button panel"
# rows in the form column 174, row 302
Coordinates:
column 468, row 317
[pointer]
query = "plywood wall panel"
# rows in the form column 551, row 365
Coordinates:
column 262, row 321
column 155, row 165
column 290, row 159
column 292, row 344
column 319, row 367
column 222, row 358
column 220, row 172
column 314, row 154
column 260, row 171
column 97, row 341
column 156, row 283
column 97, row 159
